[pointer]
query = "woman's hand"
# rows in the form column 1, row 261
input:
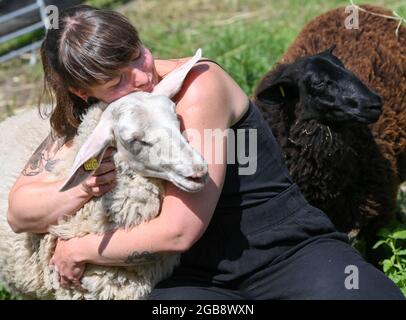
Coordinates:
column 104, row 178
column 66, row 256
column 67, row 262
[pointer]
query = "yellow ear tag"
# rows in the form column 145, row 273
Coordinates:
column 282, row 91
column 91, row 164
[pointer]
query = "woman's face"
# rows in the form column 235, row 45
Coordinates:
column 139, row 75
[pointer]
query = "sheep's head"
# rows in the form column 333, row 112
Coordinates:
column 149, row 138
column 327, row 91
column 146, row 131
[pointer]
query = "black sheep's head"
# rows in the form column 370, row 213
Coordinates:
column 328, row 92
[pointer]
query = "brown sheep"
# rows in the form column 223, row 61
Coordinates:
column 357, row 184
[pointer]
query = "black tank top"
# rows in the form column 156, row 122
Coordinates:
column 247, row 204
column 271, row 175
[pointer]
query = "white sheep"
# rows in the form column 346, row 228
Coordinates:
column 139, row 125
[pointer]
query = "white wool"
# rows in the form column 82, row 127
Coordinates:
column 24, row 258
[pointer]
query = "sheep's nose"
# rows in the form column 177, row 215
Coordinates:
column 376, row 102
column 199, row 170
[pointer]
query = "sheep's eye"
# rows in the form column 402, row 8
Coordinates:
column 319, row 84
column 137, row 140
column 144, row 143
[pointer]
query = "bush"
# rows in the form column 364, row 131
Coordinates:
column 393, row 240
column 4, row 295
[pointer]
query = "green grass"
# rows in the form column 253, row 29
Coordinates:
column 21, row 41
column 4, row 295
column 245, row 36
column 111, row 4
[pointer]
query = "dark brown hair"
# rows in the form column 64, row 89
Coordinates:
column 89, row 47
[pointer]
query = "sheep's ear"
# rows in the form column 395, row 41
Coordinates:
column 91, row 153
column 329, row 51
column 172, row 83
column 277, row 93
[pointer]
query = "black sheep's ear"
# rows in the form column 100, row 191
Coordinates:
column 329, row 51
column 277, row 93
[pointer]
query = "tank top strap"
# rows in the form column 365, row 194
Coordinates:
column 209, row 60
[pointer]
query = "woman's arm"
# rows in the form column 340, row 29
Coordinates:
column 35, row 203
column 183, row 219
column 184, row 216
column 29, row 212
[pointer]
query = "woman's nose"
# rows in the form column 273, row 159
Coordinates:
column 139, row 79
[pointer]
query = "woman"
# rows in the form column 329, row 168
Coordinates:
column 242, row 237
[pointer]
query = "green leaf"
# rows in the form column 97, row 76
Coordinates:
column 401, row 252
column 387, row 264
column 403, row 291
column 399, row 234
column 378, row 244
column 384, row 233
column 396, row 277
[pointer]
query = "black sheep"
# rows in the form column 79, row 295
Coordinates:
column 349, row 169
column 319, row 112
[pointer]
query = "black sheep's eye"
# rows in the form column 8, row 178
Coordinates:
column 318, row 84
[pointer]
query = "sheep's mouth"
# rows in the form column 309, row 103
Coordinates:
column 367, row 119
column 371, row 115
column 195, row 180
column 335, row 113
column 364, row 116
column 189, row 184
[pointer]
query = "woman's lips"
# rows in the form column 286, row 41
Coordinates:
column 149, row 88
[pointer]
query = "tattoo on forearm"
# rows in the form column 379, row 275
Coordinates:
column 43, row 157
column 141, row 257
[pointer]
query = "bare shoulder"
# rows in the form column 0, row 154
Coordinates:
column 209, row 90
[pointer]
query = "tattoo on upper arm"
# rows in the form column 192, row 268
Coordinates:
column 43, row 157
column 141, row 257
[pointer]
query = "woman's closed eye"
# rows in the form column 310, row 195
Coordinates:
column 120, row 81
column 136, row 58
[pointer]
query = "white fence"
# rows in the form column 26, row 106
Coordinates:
column 18, row 18
column 37, row 5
